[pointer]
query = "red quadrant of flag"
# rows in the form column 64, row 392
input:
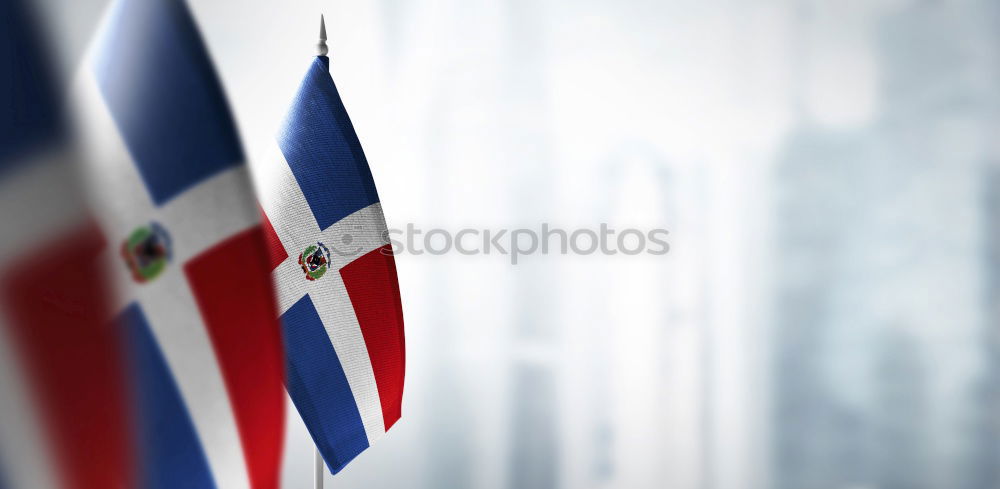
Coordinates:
column 231, row 283
column 374, row 291
column 275, row 250
column 74, row 357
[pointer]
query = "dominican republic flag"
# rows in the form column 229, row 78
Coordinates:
column 186, row 247
column 335, row 275
column 62, row 390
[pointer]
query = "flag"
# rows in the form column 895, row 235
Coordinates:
column 63, row 415
column 335, row 275
column 186, row 247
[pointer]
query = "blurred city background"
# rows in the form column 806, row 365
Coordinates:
column 829, row 173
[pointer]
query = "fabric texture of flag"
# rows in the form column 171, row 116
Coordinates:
column 186, row 246
column 335, row 275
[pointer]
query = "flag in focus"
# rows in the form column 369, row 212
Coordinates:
column 335, row 275
column 185, row 245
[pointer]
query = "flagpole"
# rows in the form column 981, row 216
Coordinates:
column 321, row 50
column 318, row 465
column 317, row 470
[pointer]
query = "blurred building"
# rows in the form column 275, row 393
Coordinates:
column 885, row 357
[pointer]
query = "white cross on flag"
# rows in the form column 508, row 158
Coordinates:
column 185, row 244
column 335, row 275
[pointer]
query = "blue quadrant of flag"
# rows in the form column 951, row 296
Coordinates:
column 170, row 454
column 319, row 387
column 31, row 115
column 158, row 82
column 323, row 151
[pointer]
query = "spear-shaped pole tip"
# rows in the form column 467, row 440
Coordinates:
column 321, row 48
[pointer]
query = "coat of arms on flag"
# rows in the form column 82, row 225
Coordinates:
column 334, row 274
column 196, row 306
column 217, row 309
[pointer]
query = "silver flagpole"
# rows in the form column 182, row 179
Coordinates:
column 321, row 48
column 318, row 464
column 318, row 471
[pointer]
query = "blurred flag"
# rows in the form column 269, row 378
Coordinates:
column 185, row 243
column 335, row 275
column 63, row 416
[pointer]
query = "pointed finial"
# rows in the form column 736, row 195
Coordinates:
column 321, row 48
